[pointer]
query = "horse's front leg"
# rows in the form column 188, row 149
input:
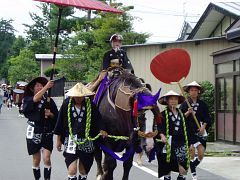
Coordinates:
column 127, row 166
column 98, row 159
column 109, row 165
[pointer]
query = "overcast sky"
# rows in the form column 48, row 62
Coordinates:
column 163, row 19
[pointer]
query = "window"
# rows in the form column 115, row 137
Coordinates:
column 229, row 93
column 237, row 65
column 220, row 94
column 225, row 94
column 225, row 67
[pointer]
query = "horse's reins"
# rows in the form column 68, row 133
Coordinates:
column 140, row 133
column 88, row 138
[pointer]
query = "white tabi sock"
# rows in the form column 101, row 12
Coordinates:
column 72, row 177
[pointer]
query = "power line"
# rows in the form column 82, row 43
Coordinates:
column 164, row 13
column 161, row 11
column 169, row 11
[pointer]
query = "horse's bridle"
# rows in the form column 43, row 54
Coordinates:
column 141, row 133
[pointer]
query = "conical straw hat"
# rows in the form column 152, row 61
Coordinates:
column 192, row 84
column 163, row 99
column 79, row 90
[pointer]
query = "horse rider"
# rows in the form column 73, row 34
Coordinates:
column 114, row 62
column 199, row 137
column 116, row 53
column 78, row 120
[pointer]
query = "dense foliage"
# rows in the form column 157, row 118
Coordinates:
column 23, row 67
column 82, row 42
column 208, row 97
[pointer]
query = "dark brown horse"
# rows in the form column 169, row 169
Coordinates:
column 119, row 121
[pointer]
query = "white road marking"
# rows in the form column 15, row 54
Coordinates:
column 147, row 170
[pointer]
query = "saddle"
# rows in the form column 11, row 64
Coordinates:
column 123, row 98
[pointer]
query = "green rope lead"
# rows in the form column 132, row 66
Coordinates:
column 168, row 148
column 88, row 125
column 89, row 114
column 186, row 138
column 118, row 137
column 158, row 140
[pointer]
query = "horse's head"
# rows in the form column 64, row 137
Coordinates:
column 118, row 101
column 130, row 80
column 141, row 98
column 150, row 114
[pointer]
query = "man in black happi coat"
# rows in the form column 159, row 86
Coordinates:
column 198, row 136
column 78, row 120
column 42, row 118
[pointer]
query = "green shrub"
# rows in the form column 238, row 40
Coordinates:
column 208, row 97
column 48, row 71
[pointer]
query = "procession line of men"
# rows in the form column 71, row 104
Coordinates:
column 178, row 132
column 79, row 118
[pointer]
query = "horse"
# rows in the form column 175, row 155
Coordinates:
column 116, row 106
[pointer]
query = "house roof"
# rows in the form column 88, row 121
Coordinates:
column 172, row 42
column 186, row 30
column 212, row 17
column 227, row 50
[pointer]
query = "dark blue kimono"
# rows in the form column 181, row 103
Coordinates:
column 179, row 147
column 201, row 112
column 42, row 135
column 121, row 55
column 85, row 151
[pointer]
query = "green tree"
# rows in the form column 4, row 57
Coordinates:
column 208, row 97
column 23, row 67
column 18, row 44
column 7, row 38
column 48, row 71
column 41, row 35
column 38, row 35
column 4, row 70
column 92, row 34
column 87, row 43
column 72, row 67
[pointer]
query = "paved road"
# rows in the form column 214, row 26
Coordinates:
column 16, row 164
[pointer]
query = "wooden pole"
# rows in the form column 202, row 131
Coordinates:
column 54, row 56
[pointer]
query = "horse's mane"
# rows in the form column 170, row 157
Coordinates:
column 130, row 79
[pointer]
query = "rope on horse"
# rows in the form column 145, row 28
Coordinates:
column 88, row 124
column 147, row 135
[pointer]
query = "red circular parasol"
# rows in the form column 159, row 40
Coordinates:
column 84, row 4
column 171, row 65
